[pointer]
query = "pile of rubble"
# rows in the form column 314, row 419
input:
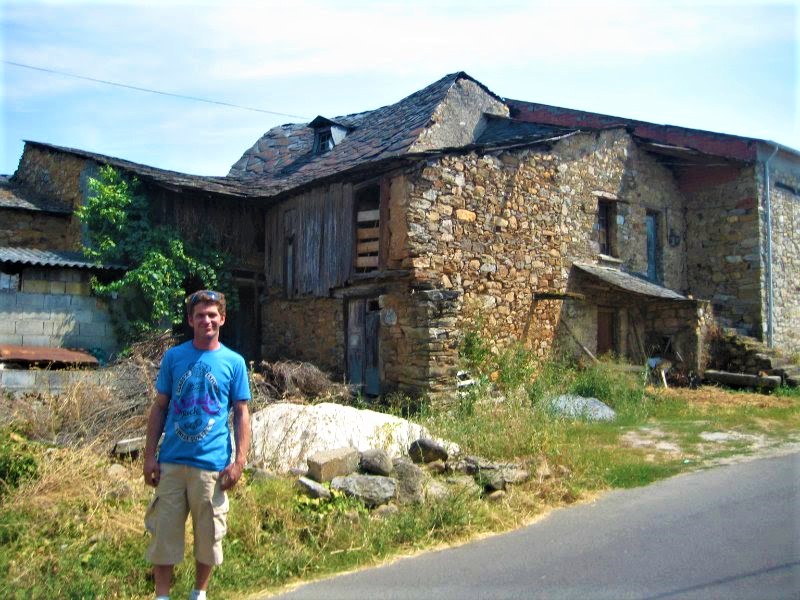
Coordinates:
column 427, row 474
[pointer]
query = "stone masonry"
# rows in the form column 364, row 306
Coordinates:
column 785, row 199
column 498, row 228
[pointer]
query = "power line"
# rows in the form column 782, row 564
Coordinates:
column 143, row 89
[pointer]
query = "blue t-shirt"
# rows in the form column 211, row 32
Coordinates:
column 202, row 386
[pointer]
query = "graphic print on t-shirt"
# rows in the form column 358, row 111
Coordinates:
column 197, row 406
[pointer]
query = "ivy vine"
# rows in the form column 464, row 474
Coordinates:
column 158, row 263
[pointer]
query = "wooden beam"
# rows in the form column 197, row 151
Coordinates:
column 368, row 233
column 365, row 262
column 367, row 247
column 368, row 215
column 558, row 296
column 769, row 382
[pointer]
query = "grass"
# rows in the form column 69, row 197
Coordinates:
column 71, row 525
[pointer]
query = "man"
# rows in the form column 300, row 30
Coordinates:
column 199, row 383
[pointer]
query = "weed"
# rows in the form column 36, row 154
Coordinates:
column 18, row 460
column 474, row 349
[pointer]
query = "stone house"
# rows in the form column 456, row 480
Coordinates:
column 373, row 241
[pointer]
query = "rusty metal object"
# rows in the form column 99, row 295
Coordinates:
column 43, row 355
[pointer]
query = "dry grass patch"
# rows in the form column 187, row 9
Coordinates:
column 716, row 396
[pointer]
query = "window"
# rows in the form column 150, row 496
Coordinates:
column 368, row 227
column 606, row 213
column 323, row 141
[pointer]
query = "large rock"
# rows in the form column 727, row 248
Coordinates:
column 578, row 407
column 376, row 462
column 284, row 435
column 372, row 490
column 325, row 465
column 410, row 481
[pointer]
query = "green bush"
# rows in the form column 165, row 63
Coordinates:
column 18, row 461
column 474, row 350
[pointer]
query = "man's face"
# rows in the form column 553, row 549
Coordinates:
column 206, row 320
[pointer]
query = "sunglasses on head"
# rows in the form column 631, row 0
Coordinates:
column 203, row 296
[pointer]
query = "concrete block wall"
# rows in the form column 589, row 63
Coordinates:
column 16, row 381
column 55, row 320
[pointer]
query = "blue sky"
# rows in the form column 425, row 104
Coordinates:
column 722, row 66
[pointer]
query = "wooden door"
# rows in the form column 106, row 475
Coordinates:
column 363, row 329
column 606, row 331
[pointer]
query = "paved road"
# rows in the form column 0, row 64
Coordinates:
column 730, row 532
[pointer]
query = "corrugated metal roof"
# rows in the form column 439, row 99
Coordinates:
column 12, row 196
column 628, row 282
column 49, row 258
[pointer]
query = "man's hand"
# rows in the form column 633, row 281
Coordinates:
column 230, row 475
column 152, row 471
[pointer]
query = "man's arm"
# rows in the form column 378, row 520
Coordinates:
column 241, row 434
column 155, row 426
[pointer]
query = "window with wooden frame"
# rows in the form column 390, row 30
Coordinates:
column 606, row 216
column 368, row 229
column 323, row 141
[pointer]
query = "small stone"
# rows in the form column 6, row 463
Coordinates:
column 436, row 467
column 410, row 480
column 312, row 488
column 436, row 491
column 465, row 215
column 426, row 450
column 372, row 490
column 376, row 462
column 385, row 510
column 324, row 466
column 496, row 496
column 117, row 471
column 463, row 484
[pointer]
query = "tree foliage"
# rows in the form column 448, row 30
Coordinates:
column 159, row 263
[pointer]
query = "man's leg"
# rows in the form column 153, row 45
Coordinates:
column 202, row 575
column 208, row 506
column 163, row 576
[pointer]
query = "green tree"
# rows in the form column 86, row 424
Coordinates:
column 159, row 264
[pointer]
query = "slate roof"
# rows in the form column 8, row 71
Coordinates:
column 49, row 258
column 12, row 196
column 170, row 179
column 284, row 155
column 509, row 131
column 283, row 158
column 628, row 282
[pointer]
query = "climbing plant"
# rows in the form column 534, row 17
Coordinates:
column 158, row 263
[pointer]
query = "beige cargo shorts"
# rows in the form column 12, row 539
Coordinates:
column 184, row 490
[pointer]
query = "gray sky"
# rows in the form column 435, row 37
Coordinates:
column 722, row 66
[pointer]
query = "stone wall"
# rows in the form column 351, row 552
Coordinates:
column 724, row 264
column 681, row 331
column 61, row 176
column 649, row 186
column 55, row 320
column 498, row 228
column 33, row 229
column 307, row 329
column 785, row 199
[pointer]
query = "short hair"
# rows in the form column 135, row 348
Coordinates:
column 208, row 296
